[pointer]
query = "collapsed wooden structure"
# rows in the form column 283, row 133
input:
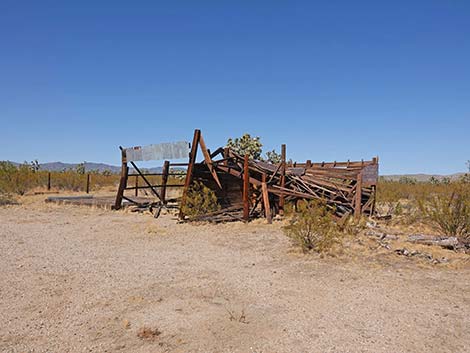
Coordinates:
column 247, row 188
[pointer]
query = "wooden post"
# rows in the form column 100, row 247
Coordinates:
column 358, row 197
column 246, row 189
column 208, row 160
column 283, row 178
column 88, row 183
column 122, row 181
column 166, row 170
column 226, row 154
column 189, row 173
column 136, row 185
column 49, row 181
column 267, row 206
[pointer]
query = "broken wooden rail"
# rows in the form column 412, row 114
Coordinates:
column 260, row 187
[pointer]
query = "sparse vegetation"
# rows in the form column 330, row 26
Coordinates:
column 246, row 145
column 21, row 179
column 253, row 147
column 313, row 228
column 449, row 212
column 200, row 200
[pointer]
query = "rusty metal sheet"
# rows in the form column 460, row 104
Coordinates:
column 370, row 174
column 160, row 151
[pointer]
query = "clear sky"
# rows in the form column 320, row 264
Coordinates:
column 334, row 80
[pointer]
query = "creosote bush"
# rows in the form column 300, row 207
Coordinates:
column 200, row 200
column 449, row 212
column 313, row 228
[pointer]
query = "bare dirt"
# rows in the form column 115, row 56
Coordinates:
column 76, row 279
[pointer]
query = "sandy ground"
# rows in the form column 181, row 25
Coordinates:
column 76, row 279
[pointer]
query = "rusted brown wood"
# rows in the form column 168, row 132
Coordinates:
column 122, row 180
column 208, row 160
column 283, row 178
column 189, row 173
column 166, row 171
column 88, row 183
column 246, row 189
column 358, row 197
column 267, row 206
column 136, row 185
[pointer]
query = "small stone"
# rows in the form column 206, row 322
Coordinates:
column 126, row 324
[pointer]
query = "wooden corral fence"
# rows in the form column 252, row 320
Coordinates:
column 247, row 188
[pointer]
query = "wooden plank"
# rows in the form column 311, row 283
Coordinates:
column 246, row 189
column 267, row 206
column 166, row 171
column 358, row 198
column 122, row 181
column 136, row 185
column 88, row 183
column 189, row 173
column 283, row 178
column 207, row 158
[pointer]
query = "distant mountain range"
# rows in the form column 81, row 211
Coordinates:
column 89, row 166
column 422, row 177
column 101, row 167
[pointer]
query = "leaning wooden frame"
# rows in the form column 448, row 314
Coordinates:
column 142, row 184
column 248, row 188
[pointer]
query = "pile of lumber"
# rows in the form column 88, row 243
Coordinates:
column 247, row 188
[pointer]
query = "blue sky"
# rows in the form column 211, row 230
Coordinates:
column 334, row 80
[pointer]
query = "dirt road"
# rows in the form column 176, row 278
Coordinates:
column 75, row 279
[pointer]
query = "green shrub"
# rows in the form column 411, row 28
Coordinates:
column 200, row 200
column 313, row 228
column 449, row 212
column 246, row 145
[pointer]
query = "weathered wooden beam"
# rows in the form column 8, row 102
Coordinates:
column 166, row 171
column 246, row 188
column 358, row 197
column 136, row 185
column 283, row 178
column 267, row 206
column 189, row 174
column 88, row 183
column 208, row 160
column 122, row 180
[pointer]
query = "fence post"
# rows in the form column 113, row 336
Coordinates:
column 136, row 185
column 166, row 170
column 48, row 181
column 88, row 183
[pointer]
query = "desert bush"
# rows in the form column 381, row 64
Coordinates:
column 313, row 228
column 246, row 145
column 449, row 212
column 273, row 157
column 200, row 200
